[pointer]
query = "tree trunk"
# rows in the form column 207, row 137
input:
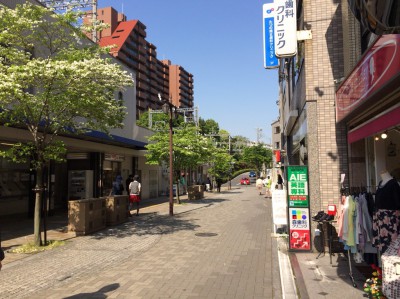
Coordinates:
column 178, row 172
column 177, row 191
column 38, row 206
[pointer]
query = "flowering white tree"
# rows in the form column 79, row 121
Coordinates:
column 53, row 81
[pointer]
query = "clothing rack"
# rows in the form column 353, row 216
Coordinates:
column 356, row 189
column 350, row 268
column 345, row 191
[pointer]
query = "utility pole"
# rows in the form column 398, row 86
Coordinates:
column 259, row 135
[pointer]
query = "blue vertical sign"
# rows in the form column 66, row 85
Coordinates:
column 270, row 59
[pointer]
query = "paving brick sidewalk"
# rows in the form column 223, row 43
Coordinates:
column 144, row 246
column 219, row 247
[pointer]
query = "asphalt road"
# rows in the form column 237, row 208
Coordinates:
column 220, row 247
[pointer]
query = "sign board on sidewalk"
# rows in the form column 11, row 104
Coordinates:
column 299, row 229
column 297, row 186
column 279, row 207
column 299, row 208
column 270, row 60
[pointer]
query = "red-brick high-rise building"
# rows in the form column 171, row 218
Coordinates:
column 180, row 85
column 153, row 76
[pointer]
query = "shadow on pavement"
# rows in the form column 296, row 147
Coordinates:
column 146, row 224
column 204, row 201
column 100, row 294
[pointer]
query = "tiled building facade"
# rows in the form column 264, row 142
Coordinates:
column 307, row 102
column 328, row 72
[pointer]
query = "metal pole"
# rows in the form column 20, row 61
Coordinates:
column 94, row 19
column 171, row 170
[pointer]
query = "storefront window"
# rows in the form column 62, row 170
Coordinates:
column 14, row 180
column 110, row 171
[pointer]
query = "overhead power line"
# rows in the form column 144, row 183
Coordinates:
column 66, row 5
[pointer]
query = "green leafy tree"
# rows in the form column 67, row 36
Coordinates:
column 221, row 164
column 208, row 126
column 190, row 149
column 239, row 143
column 256, row 156
column 53, row 84
column 159, row 120
column 143, row 120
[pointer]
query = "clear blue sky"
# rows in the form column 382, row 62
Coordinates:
column 220, row 42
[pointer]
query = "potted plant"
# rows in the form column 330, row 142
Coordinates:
column 373, row 285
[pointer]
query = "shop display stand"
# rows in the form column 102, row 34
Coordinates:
column 322, row 238
column 350, row 268
column 330, row 238
column 345, row 192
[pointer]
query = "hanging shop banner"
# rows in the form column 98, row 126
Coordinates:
column 299, row 229
column 270, row 60
column 285, row 28
column 379, row 65
column 297, row 184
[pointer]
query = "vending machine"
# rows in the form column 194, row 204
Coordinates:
column 80, row 184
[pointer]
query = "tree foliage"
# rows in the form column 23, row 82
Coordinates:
column 190, row 149
column 221, row 164
column 208, row 126
column 53, row 81
column 158, row 120
column 256, row 156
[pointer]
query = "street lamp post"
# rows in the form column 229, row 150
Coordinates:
column 167, row 108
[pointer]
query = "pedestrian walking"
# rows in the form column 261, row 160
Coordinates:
column 219, row 183
column 259, row 184
column 267, row 184
column 183, row 183
column 208, row 184
column 127, row 182
column 117, row 187
column 135, row 188
column 280, row 182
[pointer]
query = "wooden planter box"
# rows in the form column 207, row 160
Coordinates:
column 116, row 209
column 86, row 216
column 195, row 192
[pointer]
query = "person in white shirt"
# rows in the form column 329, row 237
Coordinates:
column 259, row 184
column 135, row 189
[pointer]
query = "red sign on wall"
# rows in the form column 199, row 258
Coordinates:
column 300, row 239
column 299, row 227
column 277, row 156
column 379, row 64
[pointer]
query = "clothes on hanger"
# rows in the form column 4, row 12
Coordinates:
column 386, row 216
column 386, row 227
column 355, row 225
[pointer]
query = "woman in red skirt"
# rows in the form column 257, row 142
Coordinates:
column 134, row 193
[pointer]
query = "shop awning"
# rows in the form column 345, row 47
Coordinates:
column 116, row 139
column 378, row 124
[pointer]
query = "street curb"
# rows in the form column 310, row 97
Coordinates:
column 298, row 277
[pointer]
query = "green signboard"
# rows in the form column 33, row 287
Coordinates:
column 297, row 186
